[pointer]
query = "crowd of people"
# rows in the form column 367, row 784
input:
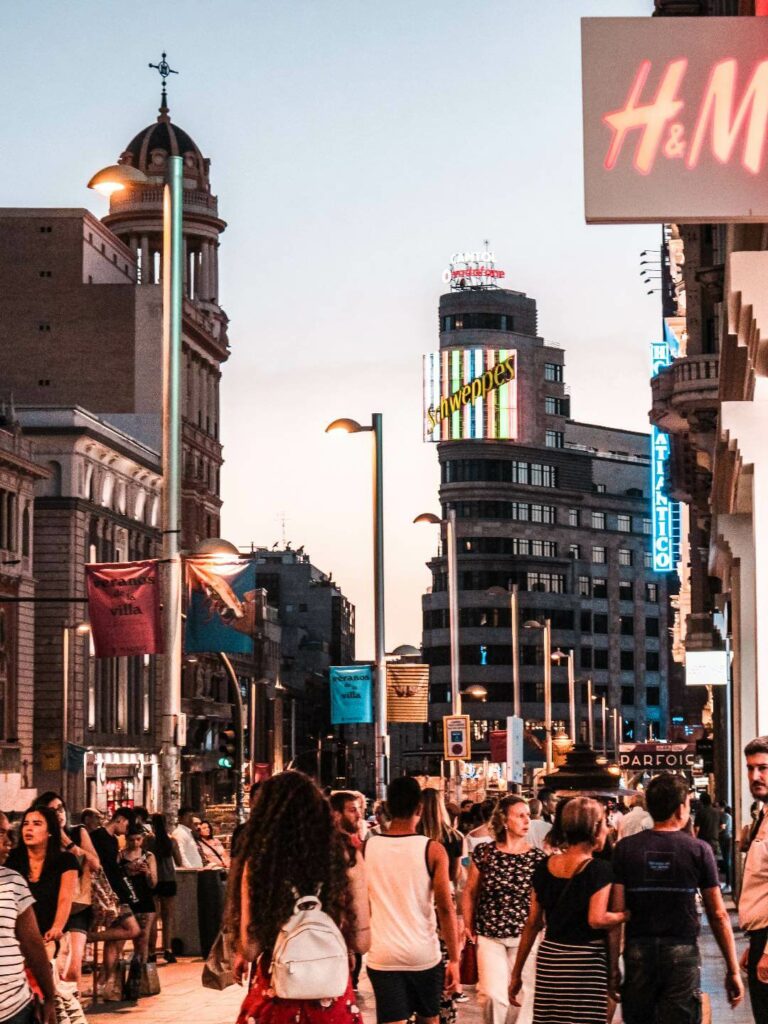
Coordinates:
column 557, row 909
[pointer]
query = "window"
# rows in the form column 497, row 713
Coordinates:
column 626, row 661
column 625, row 590
column 627, row 625
column 519, row 511
column 44, row 382
column 461, row 471
column 648, row 560
column 586, row 622
column 625, row 556
column 647, row 526
column 598, row 520
column 652, row 626
column 601, row 658
column 45, row 273
column 574, row 519
column 586, row 657
column 584, row 586
column 652, row 661
column 44, row 326
column 46, row 230
column 627, row 695
column 574, row 550
column 478, row 322
column 624, row 524
column 546, row 582
column 599, row 587
column 554, row 439
column 652, row 695
column 557, row 406
column 599, row 488
column 600, row 623
column 598, row 556
column 553, row 372
column 652, row 592
column 302, row 607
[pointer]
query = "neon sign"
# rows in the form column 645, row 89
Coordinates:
column 665, row 513
column 470, row 393
column 675, row 119
column 473, row 270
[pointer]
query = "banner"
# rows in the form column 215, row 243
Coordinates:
column 658, row 757
column 124, row 608
column 351, row 691
column 407, row 693
column 221, row 611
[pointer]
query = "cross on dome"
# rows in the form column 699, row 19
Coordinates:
column 164, row 69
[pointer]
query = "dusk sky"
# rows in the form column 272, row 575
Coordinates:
column 354, row 147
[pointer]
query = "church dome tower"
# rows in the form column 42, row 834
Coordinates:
column 136, row 213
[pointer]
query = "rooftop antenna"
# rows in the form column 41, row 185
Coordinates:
column 283, row 524
column 164, row 69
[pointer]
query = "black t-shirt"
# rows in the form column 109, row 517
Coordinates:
column 108, row 849
column 661, row 872
column 46, row 888
column 566, row 901
column 708, row 824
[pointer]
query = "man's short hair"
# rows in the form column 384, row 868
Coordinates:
column 705, row 799
column 89, row 812
column 759, row 745
column 184, row 811
column 534, row 806
column 664, row 795
column 403, row 797
column 123, row 812
column 581, row 820
column 340, row 799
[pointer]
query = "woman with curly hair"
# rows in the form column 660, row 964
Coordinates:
column 290, row 845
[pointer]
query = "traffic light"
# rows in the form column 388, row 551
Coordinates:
column 226, row 748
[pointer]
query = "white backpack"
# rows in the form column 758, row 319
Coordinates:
column 310, row 958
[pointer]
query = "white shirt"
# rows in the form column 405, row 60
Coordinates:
column 15, row 898
column 188, row 848
column 637, row 820
column 537, row 831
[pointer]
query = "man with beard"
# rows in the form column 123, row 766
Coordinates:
column 753, row 901
column 346, row 815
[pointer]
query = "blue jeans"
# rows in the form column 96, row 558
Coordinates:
column 662, row 982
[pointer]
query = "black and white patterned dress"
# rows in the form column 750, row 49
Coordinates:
column 505, row 890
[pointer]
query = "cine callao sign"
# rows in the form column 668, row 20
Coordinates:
column 470, row 393
column 665, row 512
column 675, row 119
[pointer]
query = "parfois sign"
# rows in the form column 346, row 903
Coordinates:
column 657, row 757
column 675, row 119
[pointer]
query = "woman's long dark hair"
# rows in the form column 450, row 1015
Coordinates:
column 18, row 859
column 163, row 846
column 290, row 842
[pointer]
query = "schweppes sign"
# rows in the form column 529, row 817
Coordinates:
column 470, row 393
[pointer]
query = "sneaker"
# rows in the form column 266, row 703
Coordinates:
column 152, row 958
column 169, row 957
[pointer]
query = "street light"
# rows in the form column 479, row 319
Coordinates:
column 513, row 612
column 546, row 627
column 557, row 657
column 590, row 716
column 381, row 740
column 603, row 722
column 108, row 180
column 79, row 629
column 453, row 623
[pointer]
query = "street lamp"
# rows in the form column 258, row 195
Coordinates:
column 590, row 716
column 78, row 629
column 453, row 622
column 546, row 627
column 513, row 612
column 616, row 733
column 108, row 180
column 381, row 740
column 603, row 722
column 558, row 657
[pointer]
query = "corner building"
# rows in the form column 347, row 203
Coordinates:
column 562, row 509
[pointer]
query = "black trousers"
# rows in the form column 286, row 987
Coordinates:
column 758, row 990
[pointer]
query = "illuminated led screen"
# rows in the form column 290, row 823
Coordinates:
column 470, row 394
column 665, row 512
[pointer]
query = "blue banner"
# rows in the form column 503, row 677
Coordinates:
column 221, row 611
column 351, row 692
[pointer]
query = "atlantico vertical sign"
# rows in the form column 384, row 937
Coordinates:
column 665, row 511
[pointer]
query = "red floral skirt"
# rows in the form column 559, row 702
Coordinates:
column 262, row 1006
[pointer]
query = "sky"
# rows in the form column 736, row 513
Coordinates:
column 354, row 146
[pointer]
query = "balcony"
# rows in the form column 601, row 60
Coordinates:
column 151, row 197
column 684, row 392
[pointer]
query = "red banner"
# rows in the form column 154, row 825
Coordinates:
column 498, row 744
column 124, row 608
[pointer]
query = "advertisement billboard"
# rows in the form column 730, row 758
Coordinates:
column 706, row 668
column 469, row 394
column 665, row 512
column 675, row 118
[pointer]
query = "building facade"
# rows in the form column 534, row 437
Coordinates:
column 559, row 508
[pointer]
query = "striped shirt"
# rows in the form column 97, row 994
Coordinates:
column 15, row 898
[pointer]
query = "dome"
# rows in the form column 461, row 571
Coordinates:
column 150, row 149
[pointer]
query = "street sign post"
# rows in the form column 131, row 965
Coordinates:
column 515, row 750
column 456, row 738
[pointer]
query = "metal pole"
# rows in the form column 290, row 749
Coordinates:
column 238, row 720
column 572, row 696
column 293, row 729
column 590, row 717
column 64, row 706
column 515, row 616
column 616, row 737
column 380, row 672
column 605, row 726
column 253, row 697
column 548, row 693
column 172, row 306
column 453, row 624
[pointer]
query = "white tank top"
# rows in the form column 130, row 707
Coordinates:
column 403, row 919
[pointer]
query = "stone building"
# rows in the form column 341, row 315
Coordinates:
column 18, row 476
column 557, row 507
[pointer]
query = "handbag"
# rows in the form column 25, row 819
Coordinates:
column 468, row 964
column 149, row 984
column 104, row 902
column 217, row 969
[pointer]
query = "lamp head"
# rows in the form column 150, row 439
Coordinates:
column 115, row 178
column 497, row 592
column 532, row 624
column 428, row 517
column 346, row 426
column 83, row 628
column 216, row 549
column 475, row 692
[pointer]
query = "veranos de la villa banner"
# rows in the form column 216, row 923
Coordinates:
column 124, row 608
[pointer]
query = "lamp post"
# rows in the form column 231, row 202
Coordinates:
column 381, row 762
column 558, row 657
column 79, row 629
column 109, row 180
column 590, row 716
column 515, row 624
column 604, row 722
column 546, row 628
column 453, row 623
column 616, row 733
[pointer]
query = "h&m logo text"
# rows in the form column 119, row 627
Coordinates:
column 723, row 118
